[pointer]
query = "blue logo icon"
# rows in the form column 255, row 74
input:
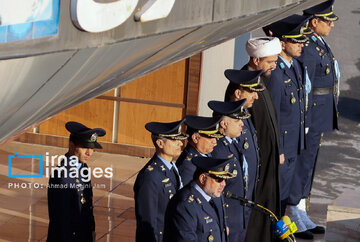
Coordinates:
column 15, row 155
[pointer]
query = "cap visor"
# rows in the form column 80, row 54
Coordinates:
column 257, row 88
column 301, row 39
column 177, row 137
column 331, row 17
column 91, row 145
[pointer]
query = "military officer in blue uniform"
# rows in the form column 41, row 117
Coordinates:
column 231, row 126
column 158, row 181
column 287, row 87
column 324, row 75
column 196, row 213
column 246, row 84
column 203, row 134
column 70, row 198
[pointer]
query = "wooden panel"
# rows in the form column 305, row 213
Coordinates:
column 166, row 85
column 165, row 95
column 60, row 141
column 193, row 84
column 95, row 113
column 133, row 118
column 109, row 93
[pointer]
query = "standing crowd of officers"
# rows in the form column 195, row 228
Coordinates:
column 261, row 143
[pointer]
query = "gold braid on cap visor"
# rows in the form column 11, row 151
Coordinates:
column 222, row 174
column 325, row 16
column 179, row 135
column 211, row 133
column 252, row 86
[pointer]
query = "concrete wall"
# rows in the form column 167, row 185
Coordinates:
column 213, row 81
column 216, row 60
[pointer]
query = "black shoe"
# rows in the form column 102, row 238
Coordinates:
column 317, row 230
column 304, row 235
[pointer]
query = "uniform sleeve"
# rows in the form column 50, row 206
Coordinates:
column 146, row 205
column 187, row 170
column 309, row 60
column 275, row 86
column 181, row 223
column 59, row 205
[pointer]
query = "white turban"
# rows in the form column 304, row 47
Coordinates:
column 263, row 46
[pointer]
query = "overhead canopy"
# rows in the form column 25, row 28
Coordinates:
column 58, row 57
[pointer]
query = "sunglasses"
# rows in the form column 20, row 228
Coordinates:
column 328, row 22
column 217, row 179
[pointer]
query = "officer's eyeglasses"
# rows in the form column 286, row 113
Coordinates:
column 217, row 179
column 328, row 22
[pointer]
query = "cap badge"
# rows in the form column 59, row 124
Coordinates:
column 227, row 167
column 235, row 172
column 93, row 137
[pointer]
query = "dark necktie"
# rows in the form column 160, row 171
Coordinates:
column 176, row 174
column 213, row 205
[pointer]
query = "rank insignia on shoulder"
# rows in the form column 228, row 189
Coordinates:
column 165, row 180
column 229, row 156
column 162, row 168
column 287, row 81
column 171, row 195
column 83, row 200
column 191, row 199
column 235, row 172
column 246, row 145
column 313, row 38
column 282, row 66
column 198, row 200
column 317, row 48
column 150, row 168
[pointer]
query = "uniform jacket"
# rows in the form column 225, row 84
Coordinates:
column 190, row 218
column 287, row 92
column 70, row 207
column 248, row 146
column 236, row 219
column 153, row 189
column 185, row 166
column 319, row 60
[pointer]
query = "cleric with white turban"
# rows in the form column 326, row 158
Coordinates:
column 263, row 47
